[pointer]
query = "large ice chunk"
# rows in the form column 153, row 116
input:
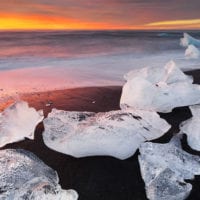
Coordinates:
column 115, row 133
column 17, row 122
column 164, row 167
column 191, row 128
column 192, row 52
column 159, row 89
column 24, row 176
column 188, row 39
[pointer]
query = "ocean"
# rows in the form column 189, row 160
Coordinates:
column 40, row 61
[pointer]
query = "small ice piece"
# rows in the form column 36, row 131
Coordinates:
column 192, row 52
column 164, row 167
column 24, row 176
column 191, row 128
column 115, row 133
column 159, row 89
column 188, row 39
column 49, row 103
column 17, row 122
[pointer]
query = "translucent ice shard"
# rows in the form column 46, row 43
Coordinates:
column 23, row 176
column 192, row 52
column 191, row 128
column 17, row 122
column 115, row 133
column 188, row 39
column 159, row 89
column 164, row 167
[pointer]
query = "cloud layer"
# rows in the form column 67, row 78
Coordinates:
column 103, row 13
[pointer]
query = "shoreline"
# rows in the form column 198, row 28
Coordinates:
column 80, row 99
column 40, row 99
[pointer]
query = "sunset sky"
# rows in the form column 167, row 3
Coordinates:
column 99, row 14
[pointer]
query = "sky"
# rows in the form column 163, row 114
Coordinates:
column 99, row 14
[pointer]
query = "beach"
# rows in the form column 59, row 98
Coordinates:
column 99, row 178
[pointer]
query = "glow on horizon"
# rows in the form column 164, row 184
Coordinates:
column 39, row 22
column 31, row 22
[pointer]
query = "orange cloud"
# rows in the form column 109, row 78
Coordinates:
column 190, row 23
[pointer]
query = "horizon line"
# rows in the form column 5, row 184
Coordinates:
column 43, row 30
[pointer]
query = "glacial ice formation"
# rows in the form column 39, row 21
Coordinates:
column 115, row 133
column 192, row 52
column 159, row 89
column 24, row 176
column 191, row 128
column 17, row 122
column 188, row 39
column 164, row 167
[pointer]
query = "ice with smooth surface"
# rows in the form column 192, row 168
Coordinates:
column 191, row 128
column 159, row 89
column 23, row 176
column 115, row 133
column 17, row 122
column 192, row 52
column 164, row 167
column 188, row 39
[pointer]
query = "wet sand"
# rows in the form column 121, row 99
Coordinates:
column 98, row 178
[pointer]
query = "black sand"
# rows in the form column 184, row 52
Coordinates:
column 99, row 178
